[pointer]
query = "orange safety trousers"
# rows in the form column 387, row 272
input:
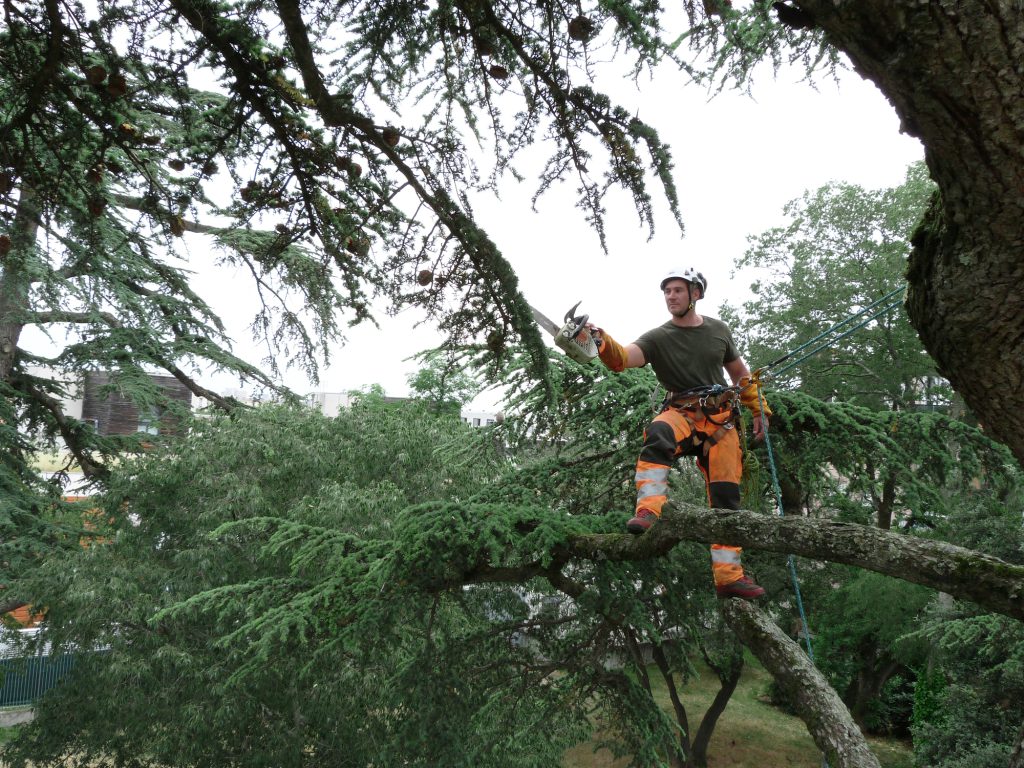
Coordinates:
column 714, row 441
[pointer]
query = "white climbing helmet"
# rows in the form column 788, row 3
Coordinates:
column 690, row 275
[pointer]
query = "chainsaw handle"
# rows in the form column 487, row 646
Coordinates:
column 581, row 323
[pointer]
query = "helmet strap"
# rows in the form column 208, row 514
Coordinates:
column 689, row 296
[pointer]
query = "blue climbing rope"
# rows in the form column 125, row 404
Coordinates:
column 778, row 508
column 827, row 338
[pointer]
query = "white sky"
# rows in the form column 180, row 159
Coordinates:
column 739, row 160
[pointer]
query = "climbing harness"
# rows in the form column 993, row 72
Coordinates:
column 711, row 401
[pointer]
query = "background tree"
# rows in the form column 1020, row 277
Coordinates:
column 228, row 615
column 443, row 384
column 225, row 636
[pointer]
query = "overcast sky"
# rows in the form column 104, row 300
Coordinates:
column 739, row 159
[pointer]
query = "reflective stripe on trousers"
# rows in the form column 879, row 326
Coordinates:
column 725, row 563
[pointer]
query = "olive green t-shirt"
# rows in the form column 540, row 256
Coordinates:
column 686, row 358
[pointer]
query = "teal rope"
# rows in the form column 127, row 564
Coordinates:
column 842, row 336
column 835, row 328
column 791, row 561
column 776, row 487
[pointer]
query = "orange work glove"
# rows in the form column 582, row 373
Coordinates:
column 758, row 405
column 611, row 353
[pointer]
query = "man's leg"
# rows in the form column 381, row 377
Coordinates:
column 661, row 447
column 722, row 466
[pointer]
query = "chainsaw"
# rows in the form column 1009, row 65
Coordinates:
column 573, row 338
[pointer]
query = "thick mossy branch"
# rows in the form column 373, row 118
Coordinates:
column 964, row 573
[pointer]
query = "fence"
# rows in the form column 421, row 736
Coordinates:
column 23, row 679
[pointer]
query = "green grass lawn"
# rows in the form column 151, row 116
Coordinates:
column 750, row 734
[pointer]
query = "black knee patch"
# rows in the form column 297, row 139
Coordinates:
column 659, row 444
column 724, row 495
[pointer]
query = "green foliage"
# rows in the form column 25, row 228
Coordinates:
column 915, row 468
column 972, row 715
column 967, row 704
column 442, row 384
column 925, row 473
column 278, row 582
column 253, row 615
column 385, row 586
column 861, row 649
column 327, row 152
column 929, row 691
column 989, row 523
column 324, row 150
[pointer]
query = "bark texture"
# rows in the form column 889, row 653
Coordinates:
column 954, row 71
column 818, row 705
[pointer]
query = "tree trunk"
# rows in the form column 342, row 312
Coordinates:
column 15, row 283
column 951, row 68
column 702, row 738
column 683, row 758
column 792, row 494
column 818, row 705
column 866, row 688
column 886, row 503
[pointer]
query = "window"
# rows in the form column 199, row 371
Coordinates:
column 149, row 421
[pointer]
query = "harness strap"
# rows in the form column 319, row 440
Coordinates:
column 713, row 438
column 698, row 439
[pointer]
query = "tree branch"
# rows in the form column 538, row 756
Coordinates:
column 47, row 73
column 39, row 318
column 969, row 575
column 68, row 430
column 818, row 705
column 139, row 204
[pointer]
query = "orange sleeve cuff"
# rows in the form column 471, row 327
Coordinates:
column 612, row 353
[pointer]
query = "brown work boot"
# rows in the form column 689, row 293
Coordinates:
column 744, row 588
column 641, row 521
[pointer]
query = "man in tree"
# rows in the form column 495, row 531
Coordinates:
column 698, row 417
